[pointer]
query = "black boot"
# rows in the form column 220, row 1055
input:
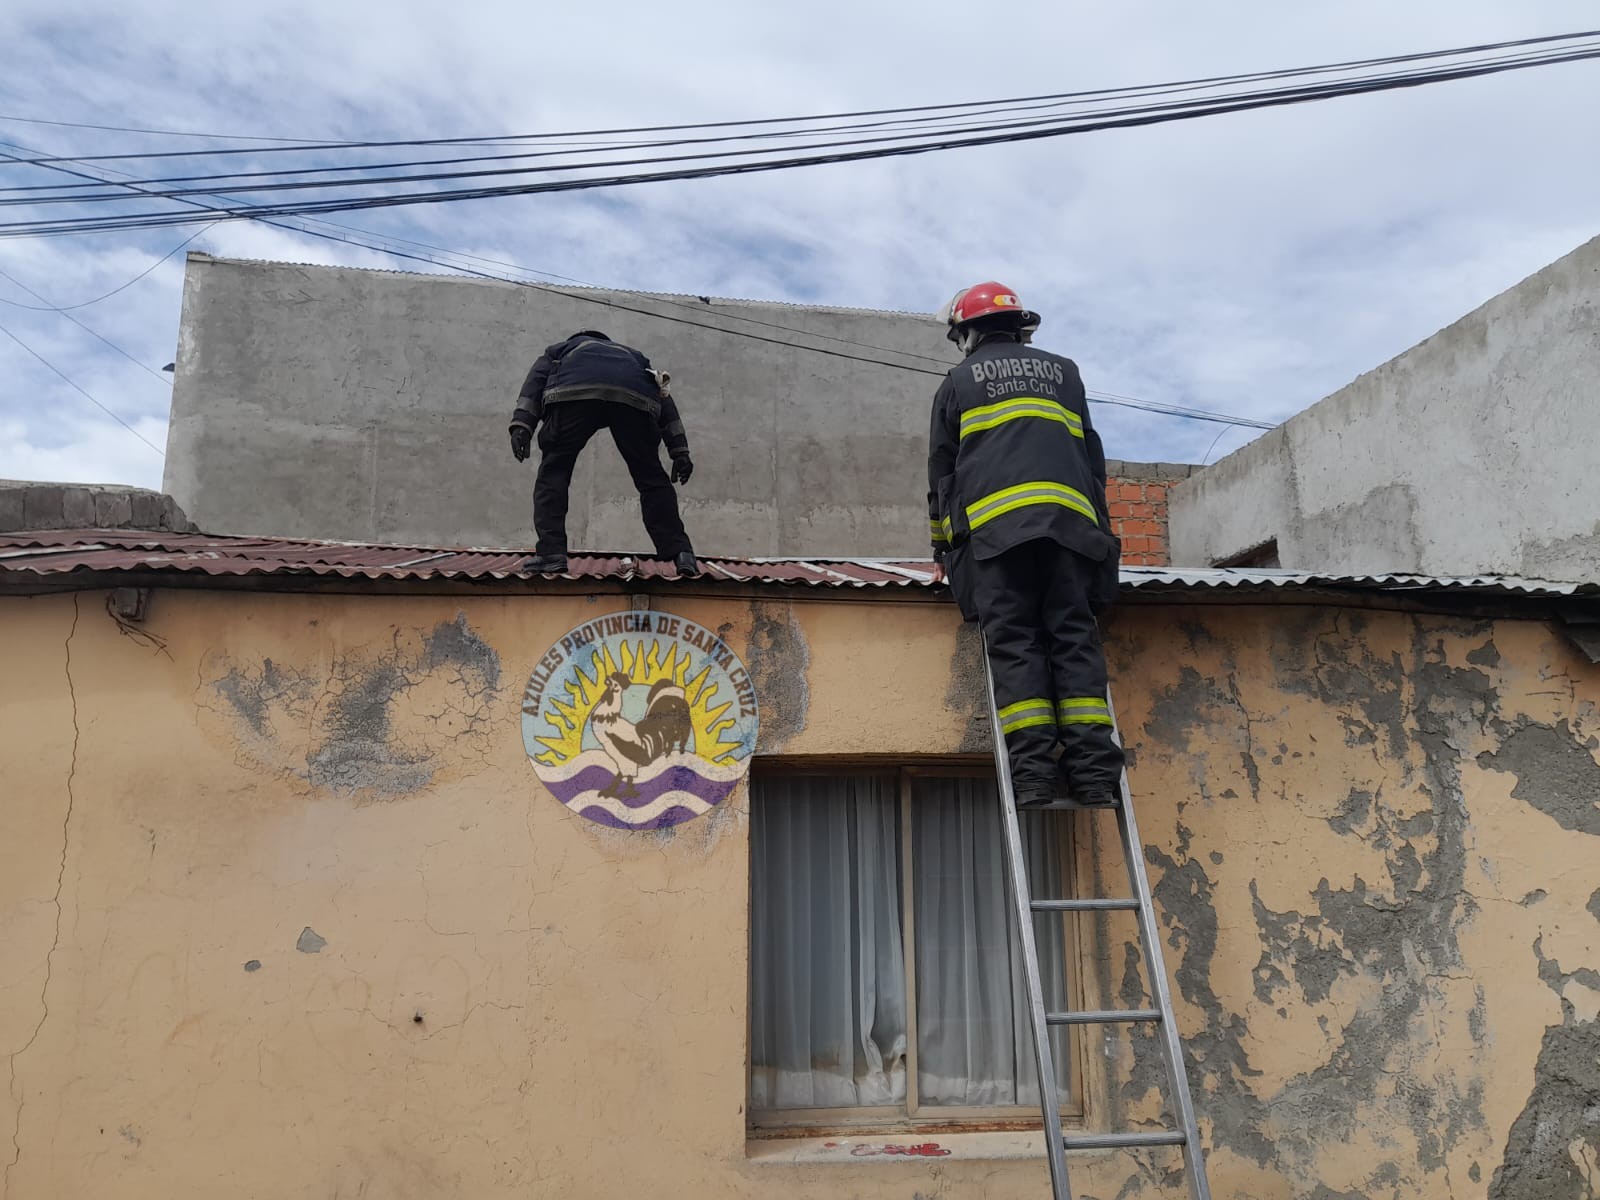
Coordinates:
column 1034, row 793
column 1098, row 796
column 688, row 566
column 546, row 564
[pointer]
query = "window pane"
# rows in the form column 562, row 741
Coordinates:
column 974, row 1046
column 828, row 992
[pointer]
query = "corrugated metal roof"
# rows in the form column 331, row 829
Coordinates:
column 1201, row 578
column 59, row 553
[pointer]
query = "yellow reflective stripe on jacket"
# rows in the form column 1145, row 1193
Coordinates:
column 1085, row 710
column 940, row 529
column 1025, row 714
column 1024, row 494
column 987, row 417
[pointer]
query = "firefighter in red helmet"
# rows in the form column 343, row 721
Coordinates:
column 1017, row 513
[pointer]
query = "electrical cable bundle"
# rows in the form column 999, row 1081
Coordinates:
column 580, row 160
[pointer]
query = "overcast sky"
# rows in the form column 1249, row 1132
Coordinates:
column 1249, row 264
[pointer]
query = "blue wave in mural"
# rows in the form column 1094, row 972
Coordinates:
column 671, row 797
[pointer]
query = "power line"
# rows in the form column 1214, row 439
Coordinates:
column 91, row 332
column 499, row 263
column 1057, row 125
column 303, row 208
column 66, row 308
column 1121, row 401
column 70, row 383
column 230, row 137
column 305, row 144
column 995, row 108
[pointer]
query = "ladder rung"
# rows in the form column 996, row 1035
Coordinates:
column 1107, row 1016
column 1092, row 905
column 1117, row 1141
column 1064, row 806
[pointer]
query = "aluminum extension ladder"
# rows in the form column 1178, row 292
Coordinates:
column 1024, row 906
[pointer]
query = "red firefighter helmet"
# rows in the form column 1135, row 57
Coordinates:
column 984, row 300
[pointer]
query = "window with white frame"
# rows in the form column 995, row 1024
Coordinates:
column 885, row 974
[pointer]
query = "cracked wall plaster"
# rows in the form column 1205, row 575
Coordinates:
column 1553, row 1151
column 778, row 659
column 376, row 722
column 1371, row 961
column 1556, row 773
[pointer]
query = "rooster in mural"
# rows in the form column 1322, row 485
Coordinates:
column 665, row 729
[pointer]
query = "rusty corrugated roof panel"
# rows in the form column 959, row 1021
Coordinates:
column 58, row 553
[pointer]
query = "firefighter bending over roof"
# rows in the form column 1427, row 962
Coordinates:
column 577, row 388
column 1017, row 508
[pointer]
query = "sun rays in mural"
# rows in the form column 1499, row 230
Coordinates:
column 567, row 717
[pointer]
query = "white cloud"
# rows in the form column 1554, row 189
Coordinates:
column 93, row 452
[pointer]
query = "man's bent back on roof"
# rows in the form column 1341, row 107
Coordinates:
column 577, row 388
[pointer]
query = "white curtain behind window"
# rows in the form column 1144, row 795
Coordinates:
column 973, row 1042
column 828, row 996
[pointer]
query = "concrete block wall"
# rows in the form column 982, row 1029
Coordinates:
column 27, row 506
column 371, row 406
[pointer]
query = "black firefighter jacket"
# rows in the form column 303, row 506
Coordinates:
column 1013, row 457
column 590, row 367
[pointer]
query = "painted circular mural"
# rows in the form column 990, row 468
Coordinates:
column 640, row 720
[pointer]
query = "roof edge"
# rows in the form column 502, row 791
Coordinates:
column 710, row 302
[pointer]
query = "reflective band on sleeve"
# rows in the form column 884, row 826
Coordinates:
column 1024, row 494
column 1025, row 714
column 976, row 420
column 1085, row 710
column 940, row 530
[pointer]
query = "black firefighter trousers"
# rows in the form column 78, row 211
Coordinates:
column 564, row 433
column 1032, row 603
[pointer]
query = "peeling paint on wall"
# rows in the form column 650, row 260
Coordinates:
column 1395, row 936
column 1184, row 895
column 373, row 723
column 259, row 695
column 1553, row 1152
column 779, row 662
column 1305, row 944
column 968, row 693
column 1556, row 773
column 310, row 941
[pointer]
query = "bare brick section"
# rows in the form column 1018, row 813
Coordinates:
column 1136, row 494
column 29, row 507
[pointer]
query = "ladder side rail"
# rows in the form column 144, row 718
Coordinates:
column 1016, row 868
column 1160, row 991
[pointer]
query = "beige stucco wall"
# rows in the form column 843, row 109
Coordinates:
column 1370, row 834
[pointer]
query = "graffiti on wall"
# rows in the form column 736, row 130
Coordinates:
column 640, row 720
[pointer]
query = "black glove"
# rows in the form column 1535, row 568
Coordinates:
column 521, row 441
column 1104, row 582
column 682, row 468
